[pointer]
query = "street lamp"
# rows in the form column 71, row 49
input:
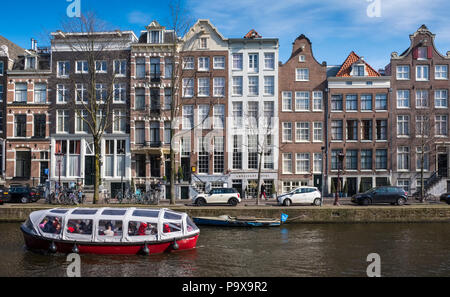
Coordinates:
column 340, row 161
column 59, row 157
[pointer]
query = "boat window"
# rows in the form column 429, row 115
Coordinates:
column 172, row 216
column 146, row 213
column 61, row 211
column 139, row 228
column 190, row 225
column 171, row 227
column 79, row 226
column 110, row 228
column 114, row 212
column 85, row 211
column 51, row 224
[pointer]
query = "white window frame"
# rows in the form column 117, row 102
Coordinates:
column 84, row 67
column 269, row 61
column 302, row 74
column 441, row 74
column 65, row 69
column 188, row 63
column 237, row 85
column 203, row 89
column 301, row 99
column 103, row 66
column 403, row 98
column 441, row 98
column 403, row 72
column 219, row 87
column 286, row 97
column 422, row 76
column 219, row 62
column 120, row 67
column 203, row 63
column 287, row 157
column 188, row 87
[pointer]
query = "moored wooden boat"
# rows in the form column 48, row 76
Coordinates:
column 228, row 221
column 109, row 230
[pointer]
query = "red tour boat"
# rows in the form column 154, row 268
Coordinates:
column 109, row 230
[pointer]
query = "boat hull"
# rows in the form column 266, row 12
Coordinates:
column 39, row 243
column 235, row 223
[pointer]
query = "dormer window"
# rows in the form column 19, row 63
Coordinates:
column 358, row 70
column 422, row 53
column 204, row 43
column 156, row 36
column 30, row 63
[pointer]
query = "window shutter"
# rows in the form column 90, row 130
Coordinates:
column 430, row 52
column 416, row 53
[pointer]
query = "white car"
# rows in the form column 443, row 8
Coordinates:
column 301, row 195
column 218, row 196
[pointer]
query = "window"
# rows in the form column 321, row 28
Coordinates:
column 219, row 62
column 253, row 85
column 39, row 125
column 120, row 121
column 426, row 159
column 422, row 72
column 318, row 131
column 219, row 156
column 402, row 72
column 403, row 158
column 21, row 92
column 441, row 98
column 269, row 61
column 421, row 98
column 20, row 123
column 203, row 116
column 155, row 36
column 366, row 159
column 317, row 100
column 80, row 124
column 155, row 70
column 302, row 131
column 1, row 93
column 101, row 66
column 352, row 130
column 74, row 157
column 101, row 92
column 120, row 67
column 380, row 102
column 81, row 93
column 188, row 87
column 441, row 72
column 237, row 85
column 381, row 130
column 336, row 130
column 40, row 93
column 404, row 184
column 154, row 134
column 188, row 63
column 203, row 63
column 422, row 53
column 139, row 133
column 110, row 228
column 366, row 130
column 317, row 162
column 422, row 125
column 237, row 115
column 381, row 159
column 79, row 227
column 237, row 152
column 336, row 102
column 253, row 62
column 287, row 163
column 168, row 67
column 441, row 125
column 203, row 43
column 237, row 61
column 120, row 92
column 2, row 68
column 287, row 101
column 403, row 99
column 219, row 116
column 81, row 67
column 302, row 163
column 301, row 101
column 203, row 155
column 268, row 161
column 252, row 115
column 269, row 113
column 203, row 87
column 351, row 102
column 167, row 132
column 139, row 101
column 366, row 102
column 402, row 125
column 167, row 99
column 219, row 86
column 63, row 69
column 287, row 132
column 140, row 68
column 302, row 74
column 188, row 116
column 335, row 164
column 351, row 160
column 62, row 121
column 301, row 58
column 269, row 85
column 358, row 70
column 62, row 94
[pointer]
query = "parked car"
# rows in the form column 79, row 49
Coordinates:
column 19, row 193
column 218, row 196
column 385, row 194
column 445, row 197
column 301, row 195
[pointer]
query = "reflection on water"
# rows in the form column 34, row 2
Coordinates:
column 291, row 250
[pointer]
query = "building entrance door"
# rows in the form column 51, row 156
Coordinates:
column 89, row 170
column 352, row 186
column 443, row 165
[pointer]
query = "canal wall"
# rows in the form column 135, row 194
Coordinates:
column 297, row 214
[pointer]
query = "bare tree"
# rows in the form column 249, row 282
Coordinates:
column 94, row 49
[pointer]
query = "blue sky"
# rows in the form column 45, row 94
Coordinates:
column 335, row 27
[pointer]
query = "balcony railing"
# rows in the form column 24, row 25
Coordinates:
column 150, row 144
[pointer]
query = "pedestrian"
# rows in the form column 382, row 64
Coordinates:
column 263, row 191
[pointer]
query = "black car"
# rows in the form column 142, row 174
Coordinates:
column 386, row 194
column 445, row 197
column 22, row 194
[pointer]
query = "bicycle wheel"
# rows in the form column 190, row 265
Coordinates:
column 119, row 197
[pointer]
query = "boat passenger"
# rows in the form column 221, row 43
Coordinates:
column 58, row 228
column 142, row 229
column 166, row 228
column 108, row 231
column 42, row 225
column 49, row 228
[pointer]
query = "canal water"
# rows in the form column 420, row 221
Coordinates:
column 291, row 250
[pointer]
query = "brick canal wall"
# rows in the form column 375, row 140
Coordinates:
column 308, row 214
